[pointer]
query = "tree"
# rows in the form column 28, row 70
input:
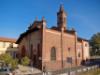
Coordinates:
column 95, row 44
column 25, row 61
column 8, row 59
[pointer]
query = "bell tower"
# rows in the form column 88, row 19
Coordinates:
column 61, row 18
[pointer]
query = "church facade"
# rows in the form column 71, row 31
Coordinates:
column 53, row 48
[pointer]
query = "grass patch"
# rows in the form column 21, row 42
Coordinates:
column 91, row 72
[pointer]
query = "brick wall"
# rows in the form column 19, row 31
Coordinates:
column 53, row 39
column 33, row 39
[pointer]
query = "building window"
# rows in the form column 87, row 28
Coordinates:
column 11, row 45
column 69, row 60
column 79, row 54
column 85, row 45
column 53, row 53
column 64, row 20
column 69, row 49
column 4, row 44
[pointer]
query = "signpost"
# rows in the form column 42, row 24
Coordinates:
column 69, row 60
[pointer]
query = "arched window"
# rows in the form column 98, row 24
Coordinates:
column 69, row 49
column 11, row 45
column 23, row 51
column 85, row 45
column 79, row 54
column 53, row 53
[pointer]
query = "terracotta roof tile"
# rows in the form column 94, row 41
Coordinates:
column 7, row 39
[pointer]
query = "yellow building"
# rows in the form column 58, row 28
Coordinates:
column 8, row 45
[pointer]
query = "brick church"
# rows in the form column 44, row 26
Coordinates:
column 53, row 48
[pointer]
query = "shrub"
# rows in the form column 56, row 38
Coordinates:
column 25, row 61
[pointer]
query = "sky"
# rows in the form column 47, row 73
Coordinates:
column 17, row 15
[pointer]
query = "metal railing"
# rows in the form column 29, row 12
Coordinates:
column 72, row 71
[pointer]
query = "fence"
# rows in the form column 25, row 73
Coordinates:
column 72, row 71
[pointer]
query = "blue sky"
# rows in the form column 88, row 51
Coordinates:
column 17, row 15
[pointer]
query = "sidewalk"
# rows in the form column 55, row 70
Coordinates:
column 23, row 70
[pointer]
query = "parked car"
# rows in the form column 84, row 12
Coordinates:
column 5, row 71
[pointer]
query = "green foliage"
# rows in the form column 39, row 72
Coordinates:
column 25, row 61
column 95, row 44
column 7, row 58
column 91, row 72
column 14, row 63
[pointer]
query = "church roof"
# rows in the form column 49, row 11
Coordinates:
column 26, row 33
column 80, row 39
column 61, row 8
column 32, row 28
column 72, row 31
